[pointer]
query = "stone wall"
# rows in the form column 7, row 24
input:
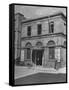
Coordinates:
column 58, row 26
column 44, row 41
column 18, row 19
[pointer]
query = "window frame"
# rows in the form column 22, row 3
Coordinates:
column 51, row 29
column 39, row 29
column 29, row 31
column 28, row 53
column 50, row 53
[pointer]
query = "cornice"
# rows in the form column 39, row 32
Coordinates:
column 44, row 36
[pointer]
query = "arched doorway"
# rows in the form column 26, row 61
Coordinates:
column 37, row 54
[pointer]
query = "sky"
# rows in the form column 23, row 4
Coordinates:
column 35, row 11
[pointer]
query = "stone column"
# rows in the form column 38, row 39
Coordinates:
column 57, row 54
column 25, row 54
column 22, row 55
column 58, row 57
column 63, row 57
column 31, row 56
column 45, row 56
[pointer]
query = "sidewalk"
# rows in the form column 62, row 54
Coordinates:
column 21, row 71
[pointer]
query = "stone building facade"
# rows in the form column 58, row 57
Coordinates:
column 42, row 41
column 18, row 20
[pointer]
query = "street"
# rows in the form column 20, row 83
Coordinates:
column 41, row 78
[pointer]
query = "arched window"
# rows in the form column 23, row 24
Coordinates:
column 51, row 45
column 39, row 44
column 28, row 50
column 28, row 53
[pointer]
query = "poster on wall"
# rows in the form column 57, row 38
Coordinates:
column 35, row 29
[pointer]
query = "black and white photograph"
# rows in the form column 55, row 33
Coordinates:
column 40, row 44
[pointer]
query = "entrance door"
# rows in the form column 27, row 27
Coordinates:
column 37, row 56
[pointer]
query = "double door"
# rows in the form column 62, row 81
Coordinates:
column 37, row 56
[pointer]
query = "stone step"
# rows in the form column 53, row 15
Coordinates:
column 46, row 70
column 25, row 71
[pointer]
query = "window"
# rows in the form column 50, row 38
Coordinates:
column 28, row 47
column 51, row 27
column 51, row 45
column 51, row 53
column 28, row 53
column 29, row 31
column 39, row 28
column 39, row 44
